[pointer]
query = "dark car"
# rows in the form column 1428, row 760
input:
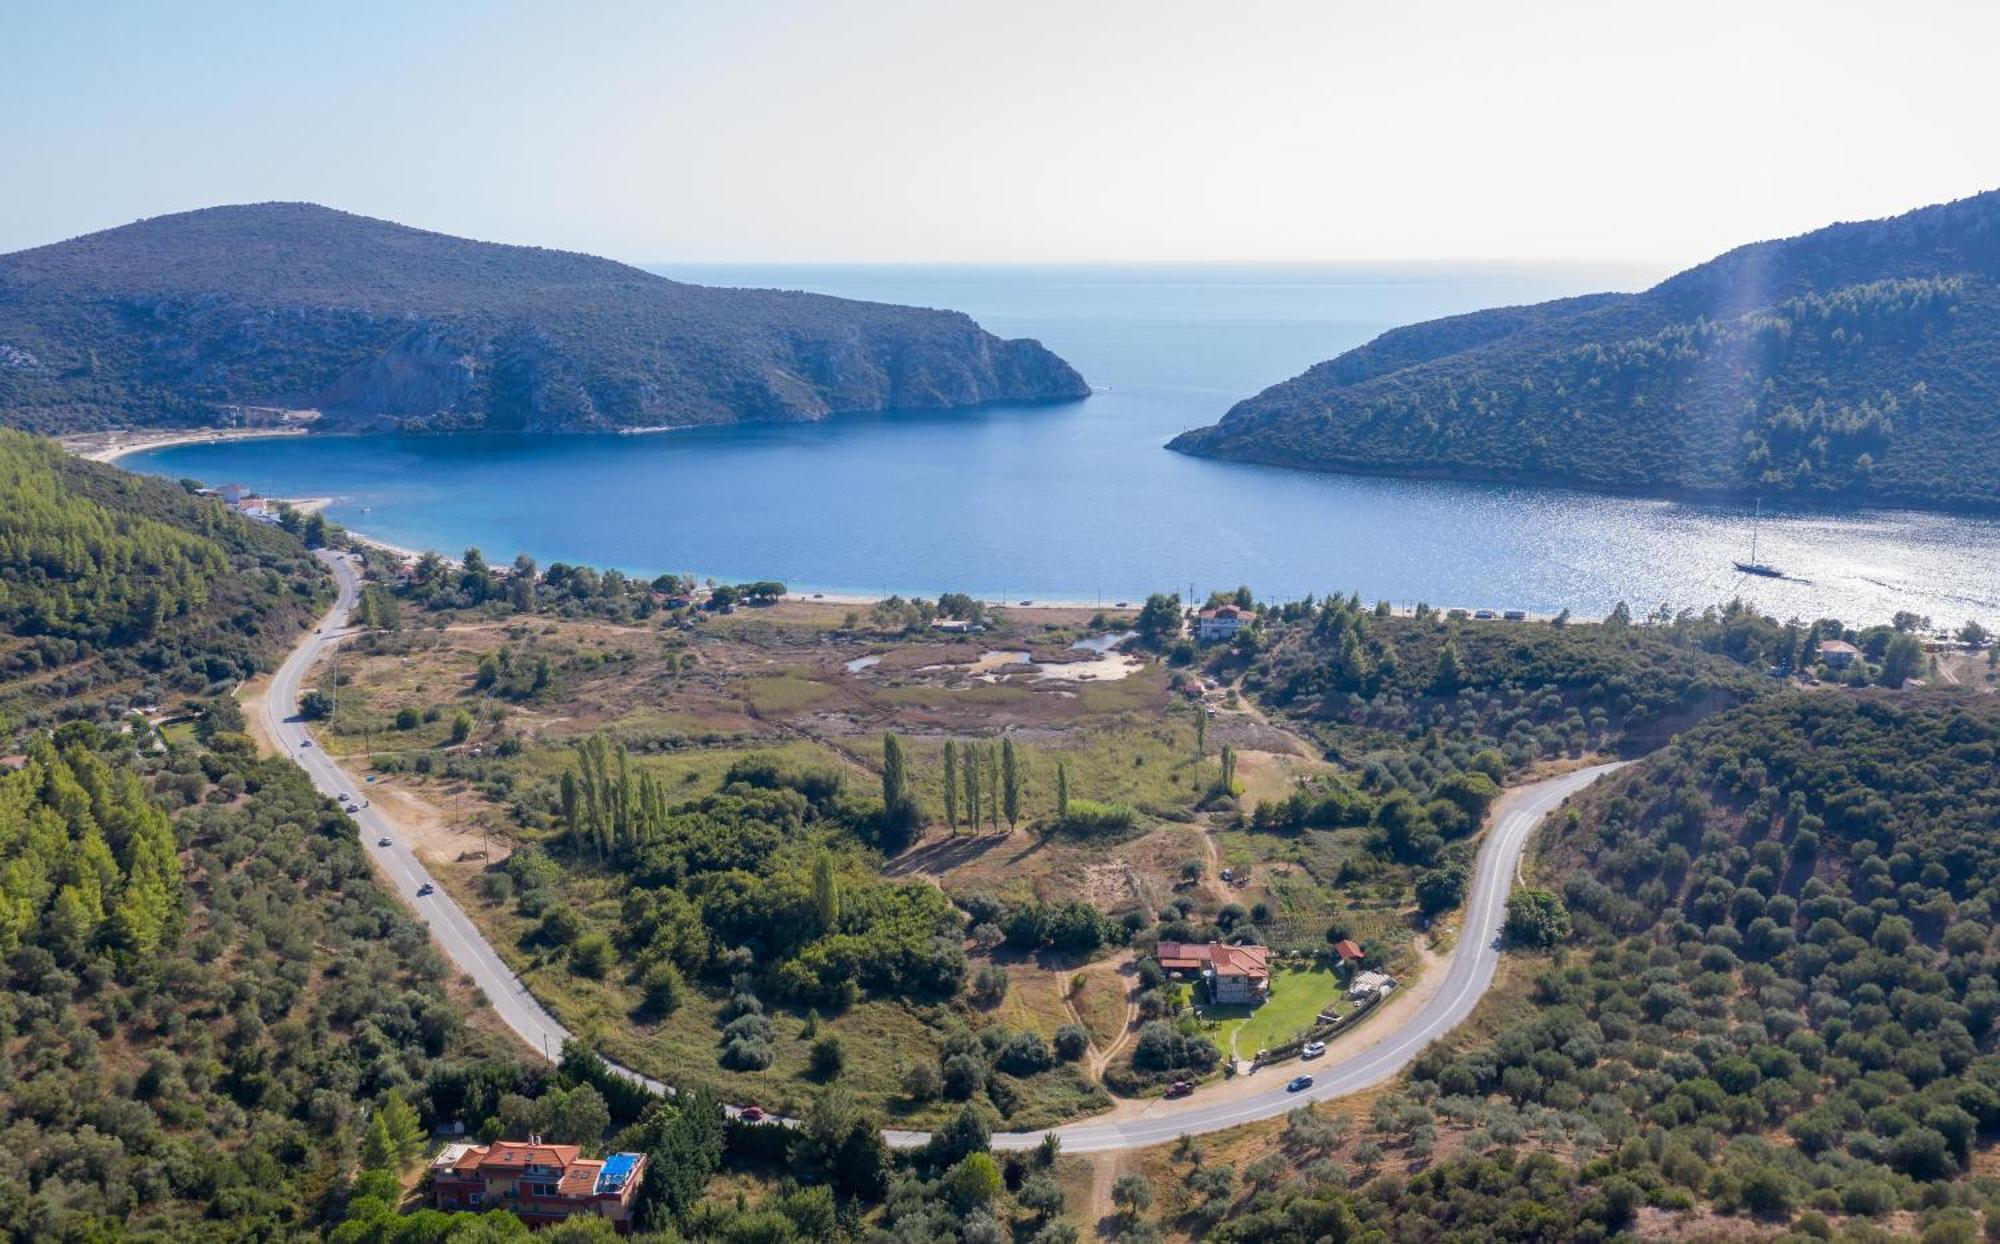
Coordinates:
column 1299, row 1084
column 383, row 842
column 428, row 888
column 1179, row 1088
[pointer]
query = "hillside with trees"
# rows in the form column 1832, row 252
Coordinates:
column 184, row 319
column 208, row 1009
column 1854, row 363
column 119, row 591
column 1771, row 998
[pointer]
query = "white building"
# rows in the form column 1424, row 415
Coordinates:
column 1221, row 623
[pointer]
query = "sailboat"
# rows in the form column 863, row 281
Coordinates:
column 1753, row 566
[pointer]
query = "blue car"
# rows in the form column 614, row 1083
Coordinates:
column 1299, row 1083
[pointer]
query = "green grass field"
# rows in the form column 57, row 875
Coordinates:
column 1297, row 996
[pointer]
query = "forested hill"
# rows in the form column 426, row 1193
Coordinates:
column 1858, row 362
column 119, row 591
column 290, row 305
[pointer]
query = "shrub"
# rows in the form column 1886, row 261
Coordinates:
column 828, row 1059
column 1072, row 1042
column 591, row 956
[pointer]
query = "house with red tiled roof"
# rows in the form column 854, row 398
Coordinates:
column 1222, row 622
column 537, row 1183
column 1348, row 951
column 1236, row 975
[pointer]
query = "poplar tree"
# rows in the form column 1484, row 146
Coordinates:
column 1010, row 781
column 1062, row 790
column 951, row 786
column 826, row 892
column 970, row 763
column 894, row 779
column 1200, row 731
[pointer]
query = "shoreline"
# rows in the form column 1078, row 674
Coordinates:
column 109, row 447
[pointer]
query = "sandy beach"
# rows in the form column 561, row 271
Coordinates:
column 111, row 446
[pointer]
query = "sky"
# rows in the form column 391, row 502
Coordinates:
column 1020, row 131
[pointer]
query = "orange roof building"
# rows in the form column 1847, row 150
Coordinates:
column 537, row 1183
column 1236, row 975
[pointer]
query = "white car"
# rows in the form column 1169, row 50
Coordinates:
column 1312, row 1049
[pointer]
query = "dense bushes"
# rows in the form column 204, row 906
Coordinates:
column 765, row 871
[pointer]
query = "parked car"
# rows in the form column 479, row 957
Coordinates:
column 1179, row 1088
column 426, row 888
column 344, row 796
column 1299, row 1084
column 384, row 842
column 1312, row 1049
column 753, row 1114
column 1229, row 874
column 352, row 808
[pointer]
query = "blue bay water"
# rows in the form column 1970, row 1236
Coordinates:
column 1081, row 502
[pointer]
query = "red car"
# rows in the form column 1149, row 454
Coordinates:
column 753, row 1114
column 1179, row 1088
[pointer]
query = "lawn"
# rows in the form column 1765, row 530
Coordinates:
column 1298, row 994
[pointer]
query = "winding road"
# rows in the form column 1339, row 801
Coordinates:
column 1473, row 962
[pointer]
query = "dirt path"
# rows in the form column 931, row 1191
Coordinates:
column 1212, row 879
column 1104, row 1171
column 1096, row 1057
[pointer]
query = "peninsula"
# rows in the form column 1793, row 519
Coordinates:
column 1854, row 363
column 235, row 314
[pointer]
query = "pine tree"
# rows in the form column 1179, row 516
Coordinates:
column 1450, row 671
column 951, row 786
column 406, row 1130
column 1010, row 781
column 378, row 1148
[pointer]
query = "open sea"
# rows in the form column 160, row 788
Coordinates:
column 1081, row 501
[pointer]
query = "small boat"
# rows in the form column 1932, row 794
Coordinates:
column 1753, row 566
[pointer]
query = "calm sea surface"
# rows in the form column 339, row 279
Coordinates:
column 1080, row 502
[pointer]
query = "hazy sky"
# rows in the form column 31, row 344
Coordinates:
column 1009, row 130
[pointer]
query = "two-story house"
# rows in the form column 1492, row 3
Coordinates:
column 539, row 1184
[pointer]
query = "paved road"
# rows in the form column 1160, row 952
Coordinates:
column 1467, row 976
column 455, row 933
